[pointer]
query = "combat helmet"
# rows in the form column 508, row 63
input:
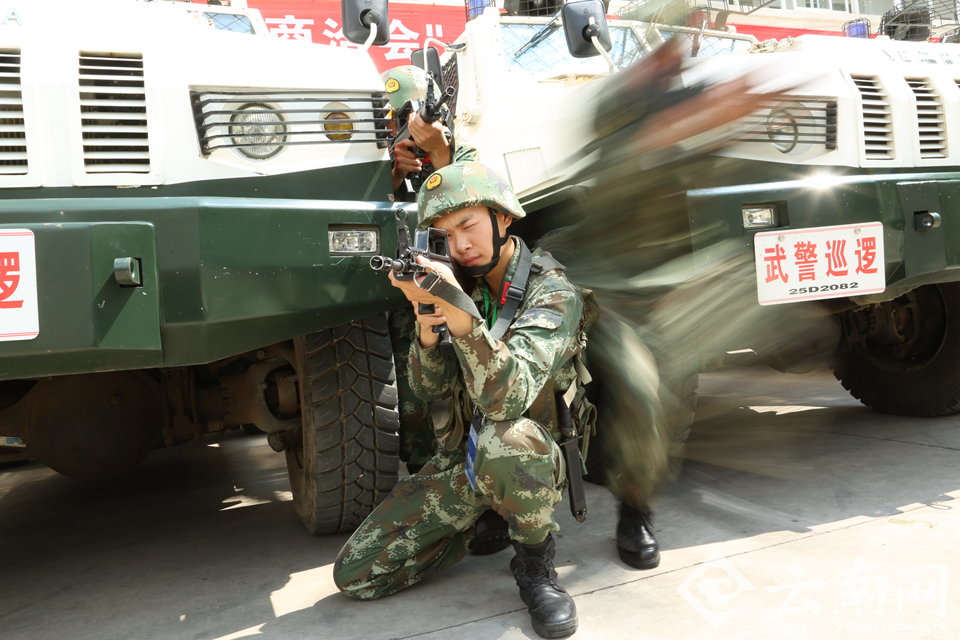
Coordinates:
column 463, row 185
column 406, row 83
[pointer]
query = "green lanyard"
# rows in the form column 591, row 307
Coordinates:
column 491, row 320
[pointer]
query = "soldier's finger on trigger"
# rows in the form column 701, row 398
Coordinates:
column 405, row 147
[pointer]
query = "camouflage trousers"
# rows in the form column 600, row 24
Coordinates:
column 427, row 521
column 417, row 440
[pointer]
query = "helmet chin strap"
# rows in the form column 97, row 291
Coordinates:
column 498, row 241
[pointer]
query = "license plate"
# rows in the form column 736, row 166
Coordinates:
column 10, row 441
column 19, row 318
column 819, row 263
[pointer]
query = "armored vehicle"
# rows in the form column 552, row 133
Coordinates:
column 848, row 202
column 186, row 223
column 844, row 192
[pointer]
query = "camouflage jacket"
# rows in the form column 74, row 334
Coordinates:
column 463, row 151
column 518, row 375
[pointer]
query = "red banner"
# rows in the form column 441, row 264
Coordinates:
column 319, row 21
column 762, row 33
column 410, row 25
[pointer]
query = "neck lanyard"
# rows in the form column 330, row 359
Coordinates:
column 490, row 319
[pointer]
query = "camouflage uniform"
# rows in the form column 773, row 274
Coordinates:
column 417, row 441
column 427, row 521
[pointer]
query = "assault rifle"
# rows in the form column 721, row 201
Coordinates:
column 430, row 243
column 430, row 111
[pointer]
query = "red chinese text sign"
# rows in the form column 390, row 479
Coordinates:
column 820, row 262
column 19, row 316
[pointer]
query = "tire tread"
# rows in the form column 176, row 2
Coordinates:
column 352, row 396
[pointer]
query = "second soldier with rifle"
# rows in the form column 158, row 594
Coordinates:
column 423, row 130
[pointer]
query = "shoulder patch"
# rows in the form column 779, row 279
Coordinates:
column 538, row 317
column 434, row 181
column 392, row 85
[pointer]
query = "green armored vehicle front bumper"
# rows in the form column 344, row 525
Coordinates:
column 915, row 252
column 218, row 276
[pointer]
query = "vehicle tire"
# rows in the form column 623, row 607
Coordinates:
column 349, row 457
column 908, row 366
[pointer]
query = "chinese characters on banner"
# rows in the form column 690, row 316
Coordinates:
column 19, row 319
column 820, row 262
column 319, row 22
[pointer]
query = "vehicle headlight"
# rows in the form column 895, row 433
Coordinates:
column 353, row 241
column 783, row 131
column 258, row 124
column 331, row 124
column 759, row 216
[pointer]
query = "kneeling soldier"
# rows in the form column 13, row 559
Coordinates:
column 499, row 451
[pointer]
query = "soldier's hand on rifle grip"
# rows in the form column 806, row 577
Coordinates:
column 405, row 161
column 431, row 137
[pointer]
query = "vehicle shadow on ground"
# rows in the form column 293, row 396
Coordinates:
column 188, row 544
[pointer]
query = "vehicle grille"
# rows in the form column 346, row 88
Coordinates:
column 815, row 120
column 930, row 118
column 451, row 78
column 289, row 117
column 877, row 118
column 13, row 136
column 113, row 112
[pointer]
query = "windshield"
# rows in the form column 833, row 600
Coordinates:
column 707, row 45
column 551, row 54
column 235, row 22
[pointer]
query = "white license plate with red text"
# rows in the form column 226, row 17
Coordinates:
column 19, row 318
column 819, row 263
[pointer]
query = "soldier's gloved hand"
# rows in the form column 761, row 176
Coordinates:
column 431, row 137
column 405, row 162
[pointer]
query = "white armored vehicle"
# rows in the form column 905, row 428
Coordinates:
column 186, row 221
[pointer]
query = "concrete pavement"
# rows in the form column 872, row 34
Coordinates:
column 799, row 513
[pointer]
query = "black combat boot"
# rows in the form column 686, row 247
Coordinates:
column 493, row 534
column 552, row 609
column 635, row 541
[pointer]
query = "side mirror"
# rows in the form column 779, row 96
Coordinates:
column 431, row 63
column 358, row 15
column 580, row 30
